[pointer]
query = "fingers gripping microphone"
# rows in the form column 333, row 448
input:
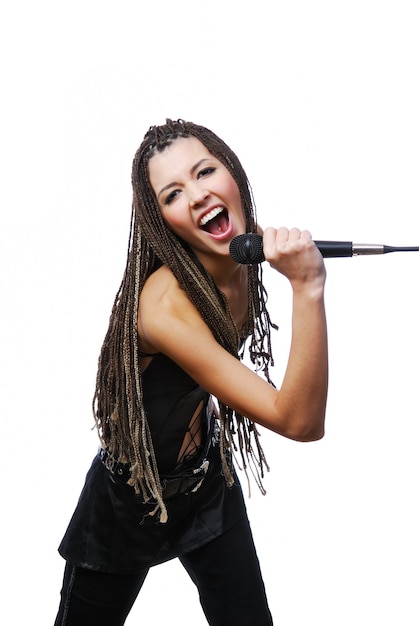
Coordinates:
column 248, row 249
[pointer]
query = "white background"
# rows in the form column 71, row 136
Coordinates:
column 320, row 101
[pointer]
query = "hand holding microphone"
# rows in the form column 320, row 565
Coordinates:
column 293, row 254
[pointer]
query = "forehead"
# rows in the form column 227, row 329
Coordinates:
column 176, row 160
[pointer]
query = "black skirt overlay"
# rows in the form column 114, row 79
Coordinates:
column 112, row 530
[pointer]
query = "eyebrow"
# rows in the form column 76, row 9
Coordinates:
column 191, row 171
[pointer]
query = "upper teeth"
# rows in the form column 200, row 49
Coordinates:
column 210, row 215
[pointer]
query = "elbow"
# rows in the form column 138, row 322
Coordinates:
column 314, row 435
column 307, row 436
column 302, row 419
column 310, row 428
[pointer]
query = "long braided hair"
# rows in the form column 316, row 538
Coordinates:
column 118, row 400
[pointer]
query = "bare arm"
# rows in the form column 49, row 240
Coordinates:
column 169, row 323
column 305, row 384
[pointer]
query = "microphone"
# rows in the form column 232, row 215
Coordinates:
column 248, row 249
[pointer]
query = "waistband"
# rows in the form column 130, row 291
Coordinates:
column 182, row 481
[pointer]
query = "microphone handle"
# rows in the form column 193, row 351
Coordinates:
column 334, row 249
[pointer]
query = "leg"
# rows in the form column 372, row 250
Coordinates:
column 227, row 574
column 96, row 598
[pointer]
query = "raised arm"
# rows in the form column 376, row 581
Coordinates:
column 170, row 323
column 305, row 384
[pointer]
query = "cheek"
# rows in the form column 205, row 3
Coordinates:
column 174, row 219
column 230, row 188
column 232, row 191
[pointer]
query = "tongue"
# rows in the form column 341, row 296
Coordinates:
column 217, row 225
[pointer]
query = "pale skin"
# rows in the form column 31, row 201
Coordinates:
column 188, row 182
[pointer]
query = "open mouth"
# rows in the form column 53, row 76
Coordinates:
column 215, row 222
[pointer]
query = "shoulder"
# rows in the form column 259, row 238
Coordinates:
column 162, row 296
column 161, row 287
column 165, row 309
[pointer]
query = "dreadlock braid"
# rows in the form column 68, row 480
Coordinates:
column 118, row 400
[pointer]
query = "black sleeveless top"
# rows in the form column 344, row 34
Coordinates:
column 171, row 399
column 111, row 529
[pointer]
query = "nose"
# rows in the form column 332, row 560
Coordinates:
column 197, row 195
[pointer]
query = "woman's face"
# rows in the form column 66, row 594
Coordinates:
column 198, row 197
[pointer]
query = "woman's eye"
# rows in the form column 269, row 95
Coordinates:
column 172, row 195
column 206, row 171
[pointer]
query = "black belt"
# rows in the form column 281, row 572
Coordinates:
column 182, row 480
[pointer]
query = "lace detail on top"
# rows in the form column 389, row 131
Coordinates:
column 193, row 442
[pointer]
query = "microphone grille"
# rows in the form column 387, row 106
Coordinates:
column 247, row 249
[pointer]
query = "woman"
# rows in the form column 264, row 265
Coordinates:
column 163, row 484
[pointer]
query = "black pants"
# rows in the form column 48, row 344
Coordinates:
column 225, row 571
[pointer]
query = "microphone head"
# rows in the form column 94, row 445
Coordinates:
column 247, row 249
